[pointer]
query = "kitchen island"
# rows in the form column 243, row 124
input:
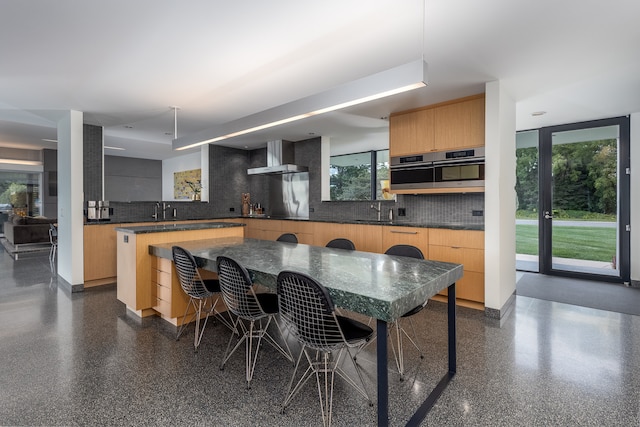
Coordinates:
column 381, row 286
column 148, row 285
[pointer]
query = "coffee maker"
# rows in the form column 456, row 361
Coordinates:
column 98, row 210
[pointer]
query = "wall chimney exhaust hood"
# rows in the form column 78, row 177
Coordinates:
column 280, row 158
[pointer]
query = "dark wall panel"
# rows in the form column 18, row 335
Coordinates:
column 129, row 179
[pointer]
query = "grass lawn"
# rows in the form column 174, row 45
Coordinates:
column 594, row 244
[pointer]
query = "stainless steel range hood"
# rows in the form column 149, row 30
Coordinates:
column 280, row 158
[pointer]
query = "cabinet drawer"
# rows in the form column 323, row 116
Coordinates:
column 470, row 287
column 163, row 293
column 471, row 259
column 161, row 277
column 163, row 264
column 162, row 307
column 414, row 236
column 456, row 238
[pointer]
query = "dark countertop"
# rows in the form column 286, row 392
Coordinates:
column 378, row 285
column 396, row 223
column 162, row 228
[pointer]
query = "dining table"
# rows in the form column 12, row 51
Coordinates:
column 381, row 286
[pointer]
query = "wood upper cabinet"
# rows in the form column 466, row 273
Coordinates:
column 449, row 125
column 460, row 124
column 411, row 133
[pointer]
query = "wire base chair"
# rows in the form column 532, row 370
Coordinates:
column 326, row 338
column 201, row 294
column 254, row 315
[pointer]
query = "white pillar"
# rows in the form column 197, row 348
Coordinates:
column 204, row 172
column 635, row 197
column 71, row 200
column 500, row 199
column 325, row 160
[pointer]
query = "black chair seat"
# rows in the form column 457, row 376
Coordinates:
column 268, row 302
column 212, row 285
column 353, row 330
column 413, row 311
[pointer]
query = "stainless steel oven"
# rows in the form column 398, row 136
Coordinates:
column 442, row 169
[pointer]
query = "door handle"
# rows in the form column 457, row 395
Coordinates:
column 547, row 215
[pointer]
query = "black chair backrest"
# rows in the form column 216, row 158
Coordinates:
column 288, row 237
column 405, row 250
column 308, row 311
column 188, row 275
column 237, row 289
column 341, row 244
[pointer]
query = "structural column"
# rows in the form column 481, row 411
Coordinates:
column 500, row 200
column 70, row 201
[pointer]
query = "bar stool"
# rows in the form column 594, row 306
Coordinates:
column 287, row 237
column 341, row 243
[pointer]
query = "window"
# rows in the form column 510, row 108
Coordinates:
column 352, row 176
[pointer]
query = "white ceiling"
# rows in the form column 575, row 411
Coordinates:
column 124, row 63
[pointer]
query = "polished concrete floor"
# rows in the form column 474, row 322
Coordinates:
column 80, row 359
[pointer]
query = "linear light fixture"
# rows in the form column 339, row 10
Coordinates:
column 113, row 148
column 21, row 162
column 396, row 80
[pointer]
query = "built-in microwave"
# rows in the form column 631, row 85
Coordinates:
column 441, row 169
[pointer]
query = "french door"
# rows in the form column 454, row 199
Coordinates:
column 583, row 199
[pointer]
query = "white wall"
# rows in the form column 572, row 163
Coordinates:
column 500, row 196
column 179, row 164
column 635, row 197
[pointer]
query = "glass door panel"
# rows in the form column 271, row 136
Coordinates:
column 584, row 200
column 527, row 161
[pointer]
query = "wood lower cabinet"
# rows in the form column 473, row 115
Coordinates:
column 303, row 230
column 464, row 247
column 365, row 237
column 170, row 300
column 137, row 285
column 414, row 236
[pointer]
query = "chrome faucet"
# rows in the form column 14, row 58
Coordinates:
column 156, row 207
column 165, row 206
column 377, row 209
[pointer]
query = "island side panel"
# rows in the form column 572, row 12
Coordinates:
column 144, row 289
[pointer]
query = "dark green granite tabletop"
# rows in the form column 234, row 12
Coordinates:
column 381, row 286
column 161, row 228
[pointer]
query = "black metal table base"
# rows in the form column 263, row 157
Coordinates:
column 383, row 373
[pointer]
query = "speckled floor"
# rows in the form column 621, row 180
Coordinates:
column 80, row 359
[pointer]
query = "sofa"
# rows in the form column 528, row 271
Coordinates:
column 20, row 230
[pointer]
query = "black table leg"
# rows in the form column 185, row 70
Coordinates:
column 426, row 406
column 383, row 373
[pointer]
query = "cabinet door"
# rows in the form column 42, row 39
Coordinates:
column 411, row 133
column 460, row 124
column 464, row 247
column 365, row 237
column 414, row 236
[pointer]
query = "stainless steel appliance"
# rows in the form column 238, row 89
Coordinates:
column 98, row 210
column 441, row 169
column 280, row 159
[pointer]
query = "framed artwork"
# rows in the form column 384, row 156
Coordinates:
column 186, row 184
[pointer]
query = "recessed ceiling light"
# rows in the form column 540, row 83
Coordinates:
column 538, row 113
column 112, row 148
